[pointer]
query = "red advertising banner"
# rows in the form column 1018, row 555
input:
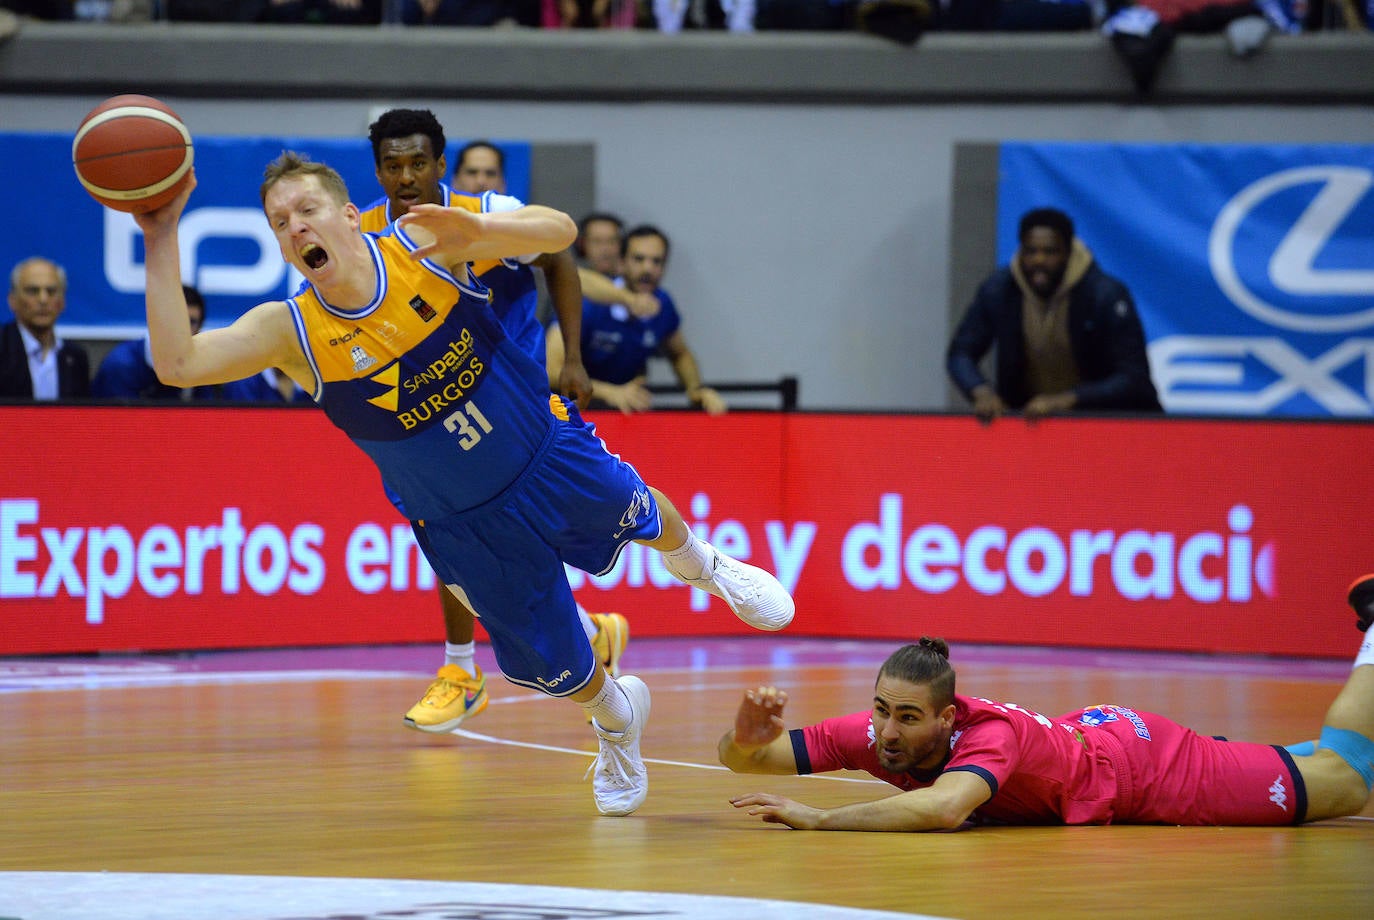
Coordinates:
column 215, row 527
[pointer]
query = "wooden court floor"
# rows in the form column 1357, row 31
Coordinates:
column 302, row 768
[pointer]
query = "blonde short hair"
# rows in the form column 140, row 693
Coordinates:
column 291, row 165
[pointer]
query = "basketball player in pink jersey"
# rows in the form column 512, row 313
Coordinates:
column 959, row 759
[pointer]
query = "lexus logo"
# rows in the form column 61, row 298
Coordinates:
column 1347, row 294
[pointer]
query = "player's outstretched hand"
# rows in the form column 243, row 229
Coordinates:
column 774, row 809
column 452, row 230
column 163, row 220
column 759, row 719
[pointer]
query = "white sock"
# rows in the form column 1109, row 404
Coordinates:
column 1366, row 653
column 610, row 708
column 463, row 655
column 688, row 562
column 588, row 626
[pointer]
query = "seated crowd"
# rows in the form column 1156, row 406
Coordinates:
column 903, row 20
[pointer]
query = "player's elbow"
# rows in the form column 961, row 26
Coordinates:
column 732, row 757
column 946, row 816
column 171, row 372
column 564, row 232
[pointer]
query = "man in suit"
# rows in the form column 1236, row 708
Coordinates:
column 34, row 362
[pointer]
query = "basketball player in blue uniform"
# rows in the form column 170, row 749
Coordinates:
column 408, row 153
column 503, row 482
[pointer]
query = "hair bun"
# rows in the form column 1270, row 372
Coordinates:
column 937, row 645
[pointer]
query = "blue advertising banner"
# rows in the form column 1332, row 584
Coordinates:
column 227, row 249
column 1252, row 265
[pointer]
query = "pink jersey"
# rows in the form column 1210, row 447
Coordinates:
column 1097, row 765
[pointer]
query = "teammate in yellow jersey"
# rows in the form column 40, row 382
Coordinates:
column 408, row 150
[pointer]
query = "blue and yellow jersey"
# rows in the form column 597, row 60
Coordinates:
column 515, row 295
column 376, row 217
column 425, row 380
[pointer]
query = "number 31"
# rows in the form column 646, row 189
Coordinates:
column 468, row 436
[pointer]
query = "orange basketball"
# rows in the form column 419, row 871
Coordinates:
column 132, row 153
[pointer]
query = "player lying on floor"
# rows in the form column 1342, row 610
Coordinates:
column 961, row 758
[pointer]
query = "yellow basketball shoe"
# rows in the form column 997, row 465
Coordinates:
column 454, row 696
column 612, row 635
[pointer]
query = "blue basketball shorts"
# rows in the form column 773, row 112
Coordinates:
column 574, row 503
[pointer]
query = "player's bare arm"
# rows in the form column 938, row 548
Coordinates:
column 759, row 742
column 689, row 375
column 565, row 290
column 456, row 235
column 259, row 339
column 599, row 288
column 945, row 805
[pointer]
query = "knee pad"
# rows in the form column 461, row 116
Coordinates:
column 1354, row 748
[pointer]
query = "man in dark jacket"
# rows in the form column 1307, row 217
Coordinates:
column 34, row 362
column 1067, row 333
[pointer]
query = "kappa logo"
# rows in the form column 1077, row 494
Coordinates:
column 1278, row 794
column 1339, row 297
column 1096, row 716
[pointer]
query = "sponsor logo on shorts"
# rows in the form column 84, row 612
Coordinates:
column 638, row 505
column 556, row 681
column 1278, row 794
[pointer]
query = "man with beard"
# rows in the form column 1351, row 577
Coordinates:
column 1067, row 334
column 617, row 342
column 959, row 759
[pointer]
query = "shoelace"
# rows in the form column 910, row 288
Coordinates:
column 443, row 688
column 611, row 751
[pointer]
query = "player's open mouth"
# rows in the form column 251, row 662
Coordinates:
column 313, row 256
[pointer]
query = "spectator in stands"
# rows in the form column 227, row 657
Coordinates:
column 599, row 238
column 480, row 167
column 671, row 16
column 35, row 363
column 803, row 16
column 270, row 386
column 469, row 12
column 1067, row 333
column 1012, row 15
column 617, row 343
column 324, row 12
column 590, row 14
column 126, row 372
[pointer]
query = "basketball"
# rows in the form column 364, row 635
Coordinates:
column 132, row 153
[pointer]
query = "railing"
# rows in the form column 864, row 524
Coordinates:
column 787, row 389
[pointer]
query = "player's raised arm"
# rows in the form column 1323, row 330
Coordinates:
column 259, row 339
column 759, row 742
column 459, row 235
